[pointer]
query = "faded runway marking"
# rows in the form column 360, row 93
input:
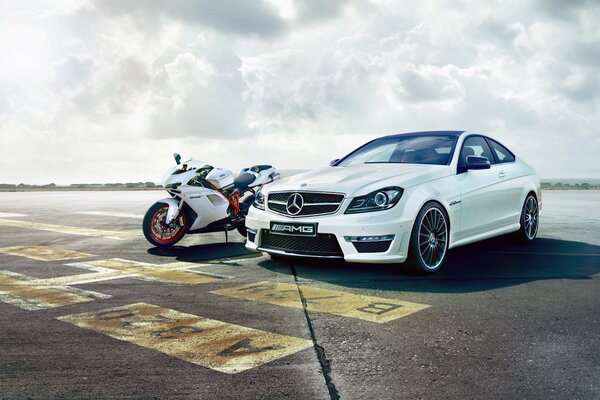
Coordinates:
column 34, row 294
column 43, row 253
column 111, row 214
column 71, row 230
column 345, row 304
column 11, row 215
column 21, row 291
column 214, row 344
column 177, row 272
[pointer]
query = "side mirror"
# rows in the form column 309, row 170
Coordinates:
column 333, row 162
column 475, row 162
column 177, row 158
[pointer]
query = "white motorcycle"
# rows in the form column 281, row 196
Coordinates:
column 203, row 199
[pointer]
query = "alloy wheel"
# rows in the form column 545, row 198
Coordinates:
column 163, row 232
column 531, row 217
column 433, row 237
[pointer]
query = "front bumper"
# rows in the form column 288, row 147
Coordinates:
column 341, row 228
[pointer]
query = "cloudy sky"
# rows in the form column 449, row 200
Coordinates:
column 106, row 90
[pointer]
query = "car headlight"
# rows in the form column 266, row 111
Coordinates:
column 378, row 200
column 259, row 200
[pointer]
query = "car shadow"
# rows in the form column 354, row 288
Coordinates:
column 486, row 265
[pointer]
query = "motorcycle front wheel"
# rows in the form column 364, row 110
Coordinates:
column 158, row 232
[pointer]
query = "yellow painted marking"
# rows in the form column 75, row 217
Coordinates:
column 43, row 253
column 174, row 272
column 23, row 294
column 33, row 294
column 213, row 344
column 71, row 230
column 111, row 214
column 369, row 308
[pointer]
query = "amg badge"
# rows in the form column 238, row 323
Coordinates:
column 296, row 229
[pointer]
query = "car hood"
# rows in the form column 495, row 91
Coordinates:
column 356, row 180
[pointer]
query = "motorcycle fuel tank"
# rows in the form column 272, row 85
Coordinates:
column 220, row 177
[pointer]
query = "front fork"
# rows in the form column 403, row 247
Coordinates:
column 174, row 211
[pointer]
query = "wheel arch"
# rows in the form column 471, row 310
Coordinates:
column 444, row 208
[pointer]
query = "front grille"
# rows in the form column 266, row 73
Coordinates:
column 320, row 245
column 315, row 203
column 372, row 247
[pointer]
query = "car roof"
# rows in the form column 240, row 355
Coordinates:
column 427, row 133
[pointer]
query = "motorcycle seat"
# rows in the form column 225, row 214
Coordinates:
column 244, row 180
column 258, row 168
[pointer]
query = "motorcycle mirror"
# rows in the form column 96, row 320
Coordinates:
column 177, row 158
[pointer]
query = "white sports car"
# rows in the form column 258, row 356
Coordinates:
column 400, row 198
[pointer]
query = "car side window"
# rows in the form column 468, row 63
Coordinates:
column 474, row 146
column 502, row 153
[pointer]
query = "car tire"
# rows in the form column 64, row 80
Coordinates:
column 429, row 239
column 530, row 220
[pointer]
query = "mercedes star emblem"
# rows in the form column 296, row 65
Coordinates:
column 294, row 204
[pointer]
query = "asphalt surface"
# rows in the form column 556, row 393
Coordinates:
column 501, row 320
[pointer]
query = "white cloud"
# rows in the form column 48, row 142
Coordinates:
column 106, row 90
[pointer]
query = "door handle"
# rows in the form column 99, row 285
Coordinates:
column 502, row 174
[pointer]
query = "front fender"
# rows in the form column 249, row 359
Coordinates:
column 173, row 211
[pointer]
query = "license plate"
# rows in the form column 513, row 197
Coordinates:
column 294, row 228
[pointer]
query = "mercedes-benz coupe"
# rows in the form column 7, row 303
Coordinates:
column 404, row 198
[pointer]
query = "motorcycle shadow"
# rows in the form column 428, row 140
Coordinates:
column 203, row 252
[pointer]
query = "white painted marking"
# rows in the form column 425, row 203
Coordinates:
column 110, row 214
column 11, row 215
column 70, row 230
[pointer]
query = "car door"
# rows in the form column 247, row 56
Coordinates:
column 510, row 173
column 482, row 198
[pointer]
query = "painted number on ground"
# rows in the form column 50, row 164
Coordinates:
column 213, row 344
column 369, row 308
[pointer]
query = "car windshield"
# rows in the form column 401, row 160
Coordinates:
column 434, row 149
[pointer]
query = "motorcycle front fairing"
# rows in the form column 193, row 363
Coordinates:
column 185, row 183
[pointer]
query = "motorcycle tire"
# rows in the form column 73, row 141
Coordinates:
column 244, row 207
column 157, row 232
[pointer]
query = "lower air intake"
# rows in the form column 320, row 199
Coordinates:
column 372, row 247
column 324, row 245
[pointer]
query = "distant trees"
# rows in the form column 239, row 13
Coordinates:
column 77, row 186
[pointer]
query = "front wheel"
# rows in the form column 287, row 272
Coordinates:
column 158, row 232
column 429, row 239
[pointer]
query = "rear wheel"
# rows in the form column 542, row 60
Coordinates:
column 530, row 219
column 158, row 232
column 244, row 207
column 429, row 239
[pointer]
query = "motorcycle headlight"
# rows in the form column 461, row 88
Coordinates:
column 173, row 185
column 378, row 200
column 259, row 200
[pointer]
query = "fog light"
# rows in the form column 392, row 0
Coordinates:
column 369, row 238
